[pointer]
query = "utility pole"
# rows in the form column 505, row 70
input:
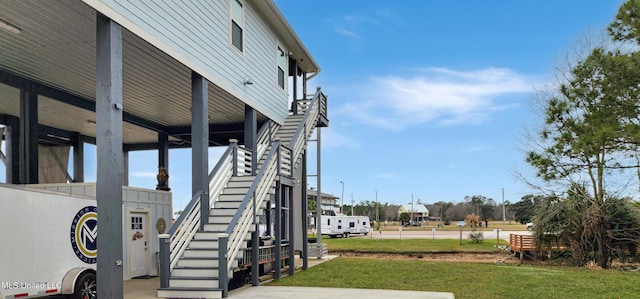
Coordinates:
column 377, row 207
column 342, row 197
column 352, row 203
column 504, row 218
column 441, row 214
column 411, row 221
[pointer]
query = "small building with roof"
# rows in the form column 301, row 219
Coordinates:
column 417, row 212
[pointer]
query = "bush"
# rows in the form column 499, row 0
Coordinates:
column 476, row 236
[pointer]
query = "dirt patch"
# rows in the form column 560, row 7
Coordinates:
column 462, row 257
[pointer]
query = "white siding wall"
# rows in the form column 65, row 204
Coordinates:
column 197, row 33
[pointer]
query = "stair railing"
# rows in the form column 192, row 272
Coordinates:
column 280, row 160
column 307, row 124
column 265, row 135
column 242, row 220
column 235, row 160
column 173, row 244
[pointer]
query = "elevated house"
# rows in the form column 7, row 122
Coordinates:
column 159, row 75
column 328, row 206
column 328, row 202
column 417, row 212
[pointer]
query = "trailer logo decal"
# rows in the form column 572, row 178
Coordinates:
column 84, row 234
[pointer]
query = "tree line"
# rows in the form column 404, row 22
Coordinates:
column 486, row 208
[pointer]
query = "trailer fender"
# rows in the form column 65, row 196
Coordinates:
column 69, row 280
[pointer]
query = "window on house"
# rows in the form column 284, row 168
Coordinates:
column 237, row 23
column 282, row 65
column 136, row 222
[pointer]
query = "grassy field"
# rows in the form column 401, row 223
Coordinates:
column 469, row 280
column 410, row 245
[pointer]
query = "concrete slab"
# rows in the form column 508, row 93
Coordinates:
column 272, row 292
column 147, row 289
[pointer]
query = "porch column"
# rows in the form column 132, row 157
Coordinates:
column 12, row 147
column 250, row 139
column 305, row 238
column 28, row 136
column 163, row 159
column 278, row 232
column 292, row 264
column 78, row 158
column 163, row 151
column 125, row 161
column 293, row 71
column 200, row 143
column 250, row 135
column 110, row 175
column 318, row 187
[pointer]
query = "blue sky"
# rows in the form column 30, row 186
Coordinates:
column 429, row 98
column 432, row 98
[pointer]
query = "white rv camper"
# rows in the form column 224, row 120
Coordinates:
column 344, row 226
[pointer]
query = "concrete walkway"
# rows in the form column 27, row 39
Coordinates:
column 147, row 289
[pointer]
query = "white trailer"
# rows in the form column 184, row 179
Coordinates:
column 49, row 242
column 344, row 226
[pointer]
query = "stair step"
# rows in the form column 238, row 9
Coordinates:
column 216, row 227
column 193, row 282
column 189, row 293
column 223, row 212
column 195, row 272
column 242, row 178
column 227, row 204
column 197, row 262
column 207, row 235
column 220, row 219
column 202, row 262
column 239, row 184
column 236, row 190
column 200, row 252
column 232, row 197
column 204, row 244
column 286, row 129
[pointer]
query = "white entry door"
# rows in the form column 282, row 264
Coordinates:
column 139, row 248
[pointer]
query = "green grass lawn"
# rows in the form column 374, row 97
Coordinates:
column 469, row 280
column 409, row 245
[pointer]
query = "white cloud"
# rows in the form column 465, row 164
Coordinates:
column 348, row 33
column 435, row 94
column 351, row 25
column 477, row 148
